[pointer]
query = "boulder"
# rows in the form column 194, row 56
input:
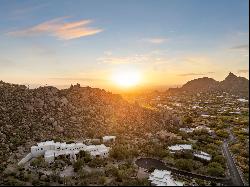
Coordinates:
column 59, row 129
column 64, row 101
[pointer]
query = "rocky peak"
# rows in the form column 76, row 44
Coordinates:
column 231, row 76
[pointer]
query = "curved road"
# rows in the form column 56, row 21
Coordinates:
column 234, row 173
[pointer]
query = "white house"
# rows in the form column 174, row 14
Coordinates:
column 243, row 100
column 187, row 130
column 50, row 150
column 195, row 106
column 205, row 115
column 163, row 178
column 49, row 156
column 203, row 155
column 204, row 128
column 180, row 147
column 190, row 130
column 100, row 151
column 108, row 138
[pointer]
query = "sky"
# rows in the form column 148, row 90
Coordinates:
column 168, row 41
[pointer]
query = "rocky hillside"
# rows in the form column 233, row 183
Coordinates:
column 28, row 116
column 235, row 84
column 202, row 84
column 232, row 84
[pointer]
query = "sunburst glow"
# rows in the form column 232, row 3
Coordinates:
column 126, row 78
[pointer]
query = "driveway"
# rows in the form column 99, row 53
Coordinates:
column 236, row 179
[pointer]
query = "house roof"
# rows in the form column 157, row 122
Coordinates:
column 180, row 147
column 163, row 178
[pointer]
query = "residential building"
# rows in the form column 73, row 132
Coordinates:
column 163, row 178
column 203, row 155
column 50, row 150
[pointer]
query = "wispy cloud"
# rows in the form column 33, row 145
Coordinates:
column 195, row 74
column 27, row 9
column 243, row 71
column 155, row 40
column 242, row 33
column 152, row 57
column 198, row 60
column 60, row 29
column 4, row 62
column 77, row 79
column 244, row 47
column 190, row 74
column 135, row 59
column 241, row 49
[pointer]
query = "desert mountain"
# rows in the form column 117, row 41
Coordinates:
column 235, row 84
column 204, row 83
column 232, row 84
column 28, row 116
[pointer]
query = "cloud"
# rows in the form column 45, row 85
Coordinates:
column 4, row 62
column 60, row 29
column 243, row 71
column 135, row 59
column 152, row 57
column 190, row 74
column 196, row 74
column 197, row 60
column 77, row 79
column 242, row 33
column 27, row 9
column 244, row 47
column 155, row 40
column 241, row 49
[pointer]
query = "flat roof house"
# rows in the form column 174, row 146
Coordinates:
column 163, row 178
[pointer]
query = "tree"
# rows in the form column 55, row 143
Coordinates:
column 78, row 165
column 38, row 162
column 87, row 157
column 119, row 152
column 184, row 164
column 214, row 164
column 102, row 180
column 111, row 170
column 219, row 159
column 222, row 133
column 97, row 162
column 200, row 182
column 82, row 154
column 215, row 169
column 197, row 164
column 188, row 154
column 122, row 175
column 188, row 120
column 151, row 169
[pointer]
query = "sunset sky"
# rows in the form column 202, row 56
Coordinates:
column 167, row 41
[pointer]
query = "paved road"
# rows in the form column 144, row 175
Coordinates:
column 236, row 179
column 231, row 136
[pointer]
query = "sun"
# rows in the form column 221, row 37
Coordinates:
column 126, row 78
